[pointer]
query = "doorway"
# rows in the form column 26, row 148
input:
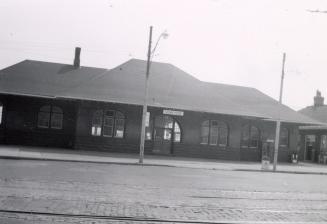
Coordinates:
column 309, row 152
column 167, row 132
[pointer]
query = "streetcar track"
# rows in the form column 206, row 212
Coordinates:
column 180, row 206
column 118, row 218
column 259, row 199
column 143, row 219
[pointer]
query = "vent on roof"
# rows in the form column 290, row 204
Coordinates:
column 77, row 57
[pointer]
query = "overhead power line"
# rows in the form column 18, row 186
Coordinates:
column 317, row 11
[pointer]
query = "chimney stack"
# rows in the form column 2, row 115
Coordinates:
column 77, row 57
column 318, row 99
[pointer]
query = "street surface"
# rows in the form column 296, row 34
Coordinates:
column 75, row 192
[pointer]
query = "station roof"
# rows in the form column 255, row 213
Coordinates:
column 313, row 127
column 169, row 87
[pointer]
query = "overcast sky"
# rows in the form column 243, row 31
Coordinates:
column 237, row 42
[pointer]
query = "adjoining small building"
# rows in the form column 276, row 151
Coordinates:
column 313, row 137
column 72, row 106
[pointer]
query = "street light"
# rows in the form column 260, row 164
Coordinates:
column 145, row 106
column 163, row 35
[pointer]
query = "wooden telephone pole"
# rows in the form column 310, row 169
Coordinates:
column 278, row 119
column 145, row 106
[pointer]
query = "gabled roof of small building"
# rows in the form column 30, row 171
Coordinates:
column 169, row 87
column 318, row 113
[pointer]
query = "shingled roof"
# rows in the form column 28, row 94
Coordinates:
column 318, row 113
column 170, row 87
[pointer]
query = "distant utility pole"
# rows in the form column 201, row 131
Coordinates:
column 278, row 118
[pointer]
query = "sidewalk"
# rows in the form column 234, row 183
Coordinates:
column 38, row 153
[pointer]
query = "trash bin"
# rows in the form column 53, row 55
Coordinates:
column 265, row 159
column 294, row 158
column 265, row 163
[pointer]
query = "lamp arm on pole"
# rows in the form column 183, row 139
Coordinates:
column 155, row 46
column 164, row 35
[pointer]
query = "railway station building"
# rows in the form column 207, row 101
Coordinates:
column 86, row 108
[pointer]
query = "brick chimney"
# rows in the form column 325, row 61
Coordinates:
column 318, row 99
column 77, row 57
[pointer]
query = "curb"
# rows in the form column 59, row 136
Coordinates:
column 85, row 161
column 282, row 171
column 154, row 164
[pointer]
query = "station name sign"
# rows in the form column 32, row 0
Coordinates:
column 173, row 112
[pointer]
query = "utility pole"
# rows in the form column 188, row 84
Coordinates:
column 278, row 119
column 145, row 106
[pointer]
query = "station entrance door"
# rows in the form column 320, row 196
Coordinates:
column 166, row 132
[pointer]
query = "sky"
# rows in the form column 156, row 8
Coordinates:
column 237, row 42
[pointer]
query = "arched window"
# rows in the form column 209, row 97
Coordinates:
column 250, row 136
column 119, row 125
column 205, row 132
column 50, row 117
column 245, row 135
column 148, row 127
column 213, row 139
column 214, row 133
column 222, row 134
column 177, row 132
column 167, row 128
column 97, row 123
column 254, row 137
column 43, row 120
column 108, row 123
column 284, row 136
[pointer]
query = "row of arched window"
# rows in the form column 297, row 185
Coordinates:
column 108, row 123
column 111, row 123
column 215, row 132
column 251, row 137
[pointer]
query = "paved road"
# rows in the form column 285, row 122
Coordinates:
column 64, row 192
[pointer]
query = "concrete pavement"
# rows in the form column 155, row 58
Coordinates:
column 39, row 153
